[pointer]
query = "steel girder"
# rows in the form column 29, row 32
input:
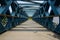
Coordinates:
column 9, row 20
column 47, row 21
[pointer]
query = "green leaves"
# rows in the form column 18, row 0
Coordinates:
column 4, row 21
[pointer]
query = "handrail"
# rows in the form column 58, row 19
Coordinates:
column 8, row 16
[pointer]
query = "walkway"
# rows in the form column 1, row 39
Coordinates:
column 29, row 30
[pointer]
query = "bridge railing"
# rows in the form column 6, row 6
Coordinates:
column 45, row 17
column 9, row 19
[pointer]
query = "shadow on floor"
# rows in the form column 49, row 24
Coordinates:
column 29, row 27
column 30, row 30
column 55, row 36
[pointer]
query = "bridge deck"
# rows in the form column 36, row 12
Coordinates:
column 29, row 30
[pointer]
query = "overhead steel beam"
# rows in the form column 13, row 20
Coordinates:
column 32, row 1
column 28, row 4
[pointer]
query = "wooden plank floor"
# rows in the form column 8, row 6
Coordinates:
column 29, row 30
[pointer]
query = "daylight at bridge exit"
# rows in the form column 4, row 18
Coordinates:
column 29, row 19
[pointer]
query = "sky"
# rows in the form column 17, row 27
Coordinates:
column 30, row 12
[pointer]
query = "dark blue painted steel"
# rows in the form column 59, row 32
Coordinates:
column 13, row 19
column 46, row 19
